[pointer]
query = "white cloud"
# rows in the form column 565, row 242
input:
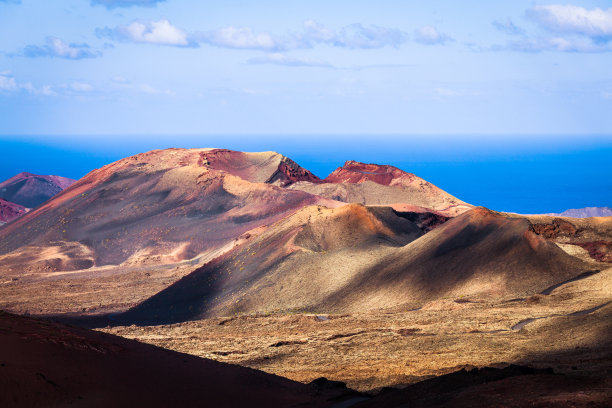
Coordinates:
column 160, row 32
column 572, row 28
column 56, row 47
column 318, row 32
column 569, row 19
column 555, row 44
column 283, row 59
column 240, row 37
column 7, row 82
column 429, row 35
column 81, row 87
column 352, row 36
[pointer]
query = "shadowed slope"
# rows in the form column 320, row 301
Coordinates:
column 478, row 254
column 356, row 259
column 173, row 204
column 10, row 211
column 373, row 184
column 48, row 364
column 295, row 264
column 31, row 190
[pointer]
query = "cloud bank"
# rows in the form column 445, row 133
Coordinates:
column 568, row 19
column 160, row 32
column 567, row 28
column 354, row 36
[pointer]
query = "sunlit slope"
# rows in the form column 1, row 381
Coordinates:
column 173, row 203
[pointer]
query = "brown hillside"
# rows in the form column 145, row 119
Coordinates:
column 355, row 259
column 296, row 264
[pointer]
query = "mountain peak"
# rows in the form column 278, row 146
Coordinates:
column 264, row 167
column 30, row 190
column 357, row 172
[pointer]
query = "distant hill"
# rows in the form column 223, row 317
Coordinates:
column 9, row 211
column 587, row 212
column 31, row 190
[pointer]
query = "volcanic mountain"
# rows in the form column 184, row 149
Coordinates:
column 31, row 190
column 357, row 259
column 173, row 204
column 244, row 243
column 10, row 211
column 373, row 184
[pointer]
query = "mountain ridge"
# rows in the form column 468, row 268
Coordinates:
column 30, row 190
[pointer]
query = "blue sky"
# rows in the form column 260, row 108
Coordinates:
column 502, row 103
column 305, row 67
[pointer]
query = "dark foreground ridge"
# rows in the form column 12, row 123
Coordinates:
column 44, row 363
column 512, row 386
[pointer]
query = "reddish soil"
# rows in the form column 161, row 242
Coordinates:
column 10, row 211
column 599, row 250
column 558, row 227
column 356, row 172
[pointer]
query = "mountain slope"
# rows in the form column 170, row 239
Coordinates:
column 10, row 211
column 31, row 190
column 357, row 259
column 295, row 264
column 173, row 204
column 372, row 184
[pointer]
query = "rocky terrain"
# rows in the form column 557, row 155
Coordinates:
column 31, row 190
column 372, row 277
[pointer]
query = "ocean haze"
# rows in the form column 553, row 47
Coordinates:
column 524, row 174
